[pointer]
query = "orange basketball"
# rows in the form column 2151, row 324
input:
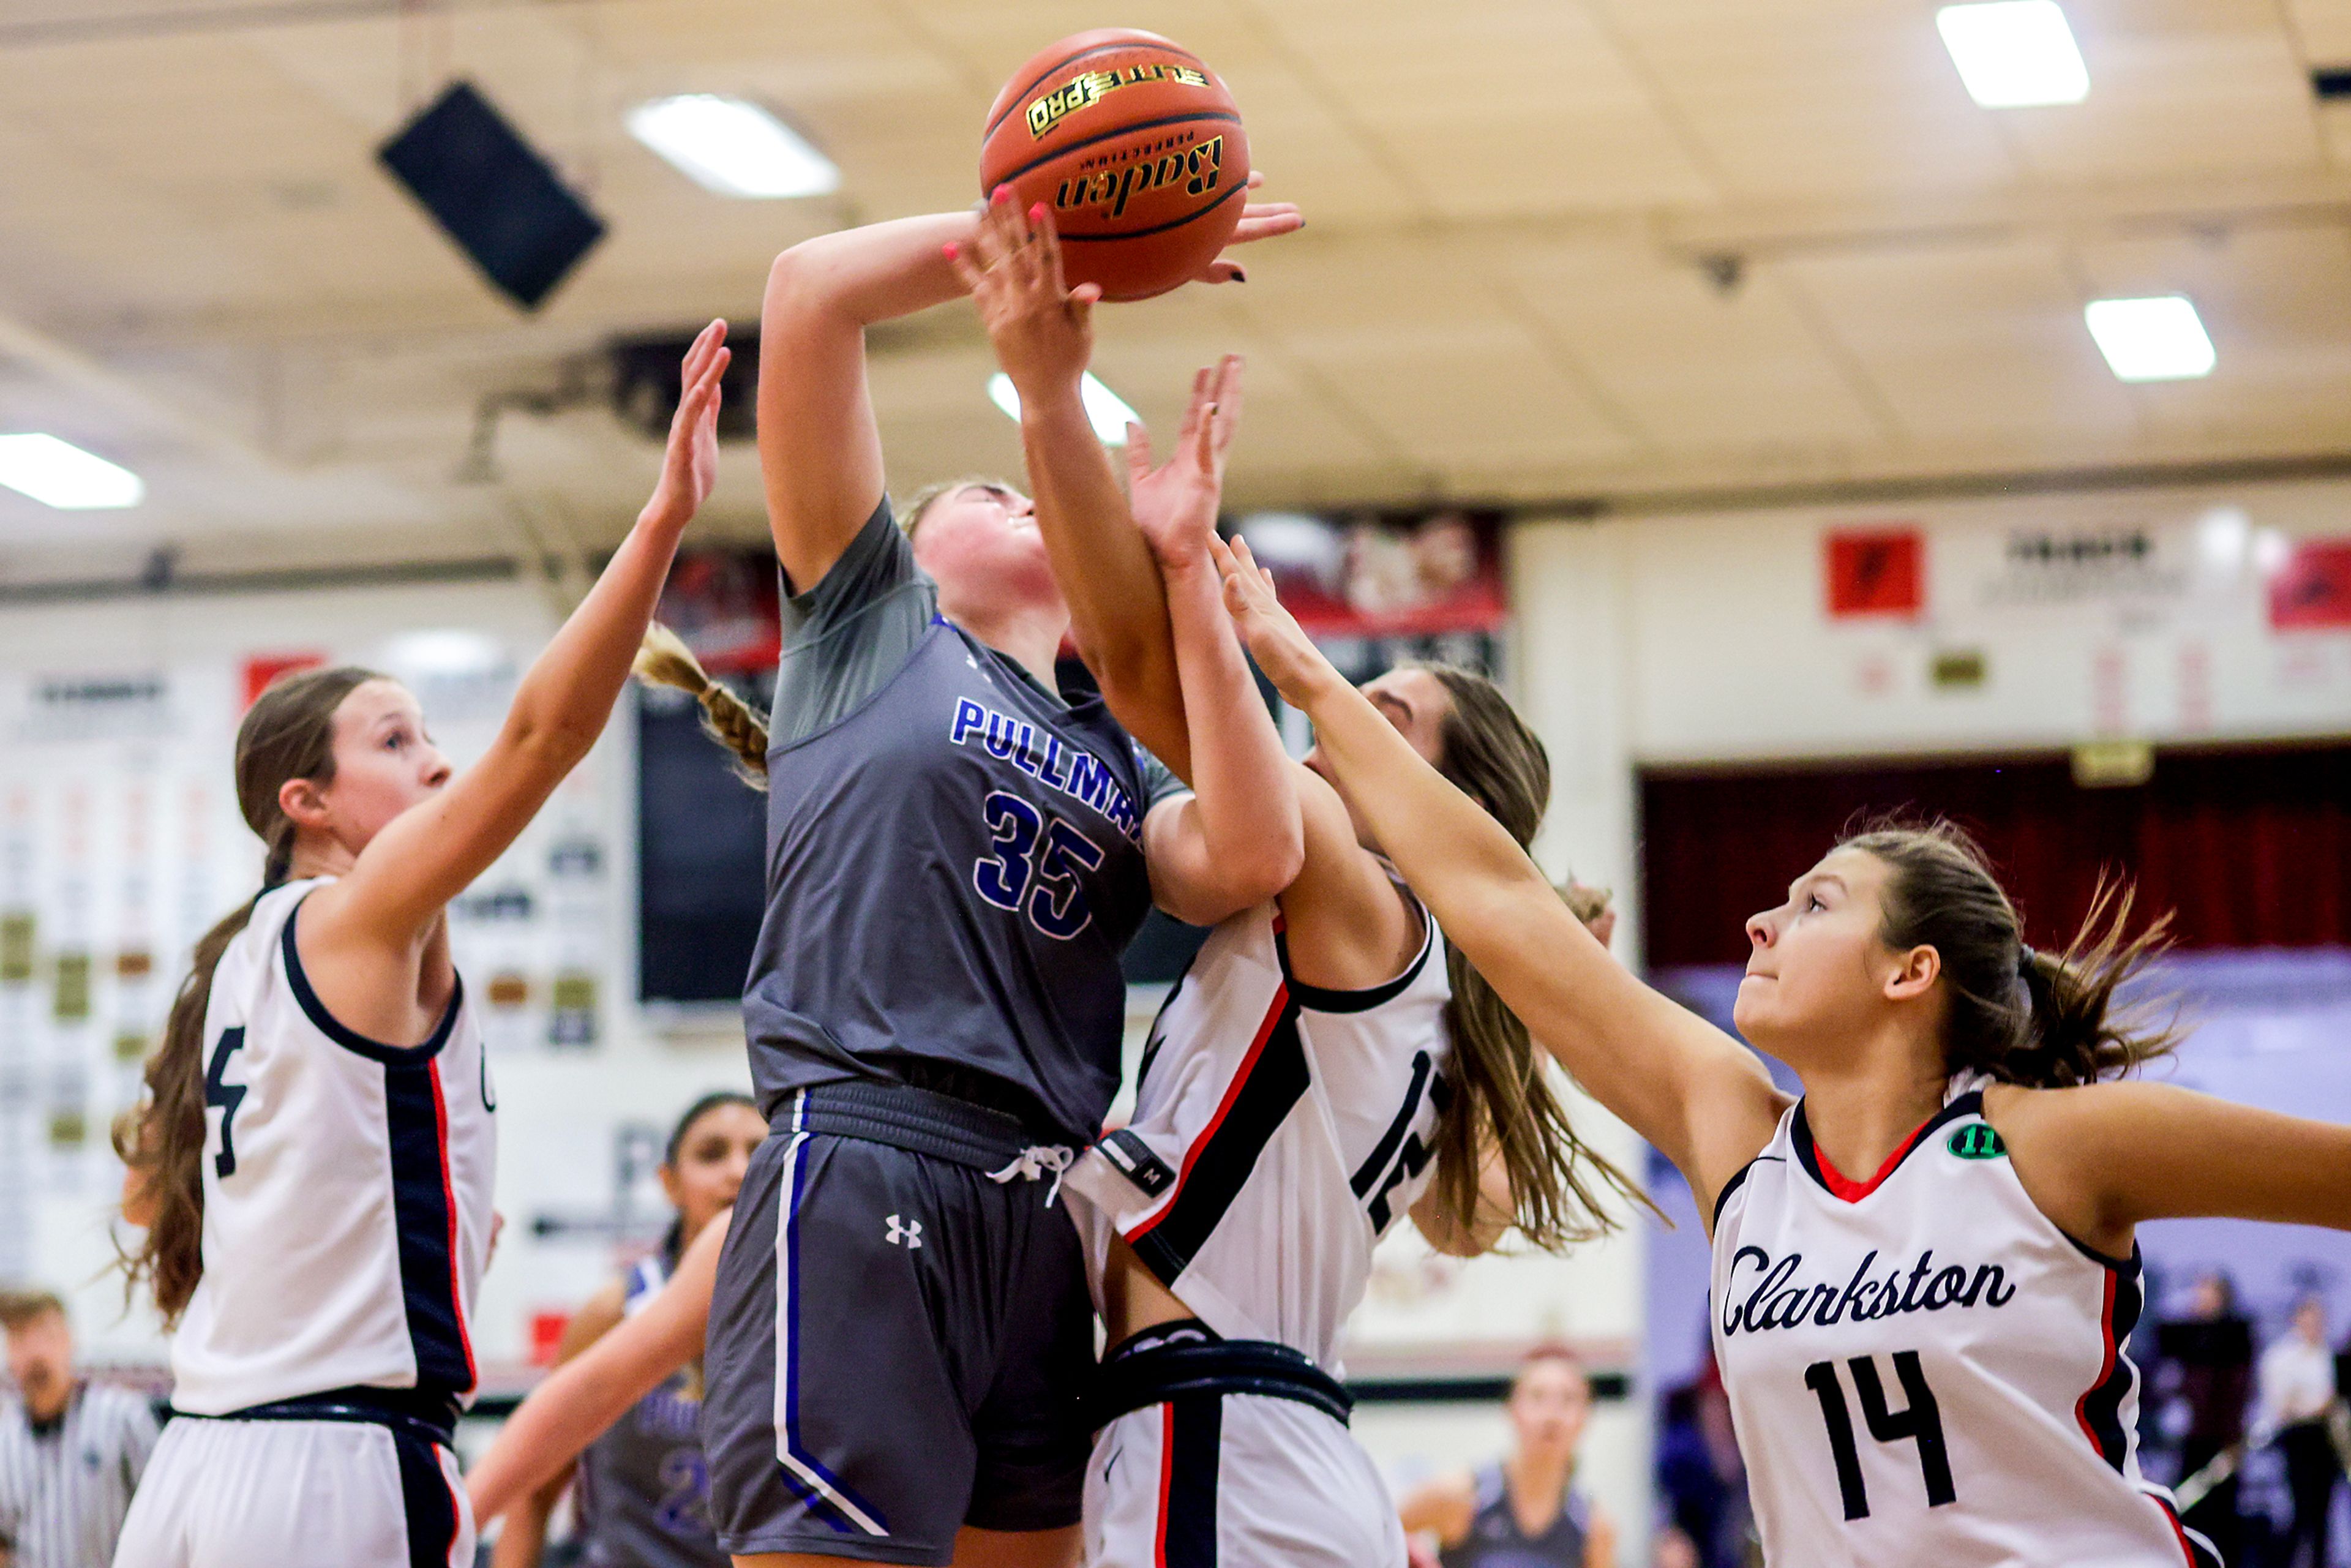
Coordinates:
column 1136, row 147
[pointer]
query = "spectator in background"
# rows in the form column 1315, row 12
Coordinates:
column 1702, row 1480
column 2297, row 1392
column 70, row 1451
column 2210, row 1352
column 1524, row 1512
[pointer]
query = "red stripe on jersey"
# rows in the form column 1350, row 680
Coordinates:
column 2180, row 1533
column 449, row 1192
column 1854, row 1191
column 1166, row 1481
column 1232, row 1093
column 2105, row 1369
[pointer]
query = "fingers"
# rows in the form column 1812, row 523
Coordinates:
column 1204, row 445
column 1228, row 403
column 1047, row 242
column 966, row 271
column 698, row 353
column 1138, row 454
column 1249, row 568
column 1195, row 410
column 1266, row 220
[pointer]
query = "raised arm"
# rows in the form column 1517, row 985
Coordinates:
column 1692, row 1090
column 819, row 452
column 2104, row 1158
column 523, row 1541
column 1238, row 840
column 1043, row 334
column 585, row 1396
column 401, row 882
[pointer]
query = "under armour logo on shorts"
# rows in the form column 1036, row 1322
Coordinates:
column 909, row 1234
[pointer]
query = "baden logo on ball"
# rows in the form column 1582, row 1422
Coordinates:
column 1136, row 146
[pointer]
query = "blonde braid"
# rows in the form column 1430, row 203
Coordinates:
column 664, row 660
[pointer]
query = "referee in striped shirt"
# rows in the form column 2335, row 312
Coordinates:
column 70, row 1452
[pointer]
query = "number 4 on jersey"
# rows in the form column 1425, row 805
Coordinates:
column 227, row 1096
column 1921, row 1422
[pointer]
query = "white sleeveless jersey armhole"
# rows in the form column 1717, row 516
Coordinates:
column 1279, row 1132
column 1924, row 1370
column 347, row 1190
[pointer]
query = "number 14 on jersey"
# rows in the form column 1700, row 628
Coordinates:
column 1920, row 1422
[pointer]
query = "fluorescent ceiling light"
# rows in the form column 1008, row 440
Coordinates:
column 1105, row 410
column 734, row 148
column 2013, row 53
column 2157, row 339
column 59, row 474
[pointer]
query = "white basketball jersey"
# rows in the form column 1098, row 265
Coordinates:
column 1280, row 1130
column 346, row 1191
column 1924, row 1370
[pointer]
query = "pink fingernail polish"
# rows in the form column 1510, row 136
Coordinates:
column 1000, row 195
column 1037, row 214
column 950, row 250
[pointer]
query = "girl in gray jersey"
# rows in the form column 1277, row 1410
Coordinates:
column 958, row 853
column 642, row 1488
column 1526, row 1510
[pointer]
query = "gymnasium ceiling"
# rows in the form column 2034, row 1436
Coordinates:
column 1557, row 249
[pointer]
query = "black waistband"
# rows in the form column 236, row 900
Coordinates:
column 420, row 1412
column 906, row 1117
column 1158, row 1365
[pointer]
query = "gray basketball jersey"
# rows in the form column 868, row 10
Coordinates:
column 955, row 864
column 1495, row 1540
column 644, row 1486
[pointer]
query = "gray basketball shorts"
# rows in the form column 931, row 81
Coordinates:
column 899, row 1342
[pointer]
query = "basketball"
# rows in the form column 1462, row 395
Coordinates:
column 1137, row 147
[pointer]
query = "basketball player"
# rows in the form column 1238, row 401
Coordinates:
column 957, row 857
column 642, row 1490
column 1526, row 1510
column 1926, row 1268
column 1315, row 1075
column 317, row 1243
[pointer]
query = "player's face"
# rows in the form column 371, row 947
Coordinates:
column 711, row 1160
column 1415, row 702
column 981, row 544
column 1548, row 1406
column 1816, row 968
column 40, row 1358
column 385, row 761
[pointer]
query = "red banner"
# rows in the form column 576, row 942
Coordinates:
column 260, row 669
column 1876, row 572
column 2312, row 589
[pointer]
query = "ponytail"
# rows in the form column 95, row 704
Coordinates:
column 2035, row 1019
column 1502, row 1104
column 287, row 734
column 2077, row 1035
column 665, row 660
column 161, row 1139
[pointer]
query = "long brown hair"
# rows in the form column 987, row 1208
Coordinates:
column 1502, row 1098
column 287, row 734
column 2043, row 1020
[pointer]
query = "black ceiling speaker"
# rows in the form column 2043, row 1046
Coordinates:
column 498, row 199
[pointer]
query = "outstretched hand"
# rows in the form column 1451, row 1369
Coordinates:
column 1042, row 329
column 690, row 464
column 1174, row 505
column 1280, row 646
column 1259, row 220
